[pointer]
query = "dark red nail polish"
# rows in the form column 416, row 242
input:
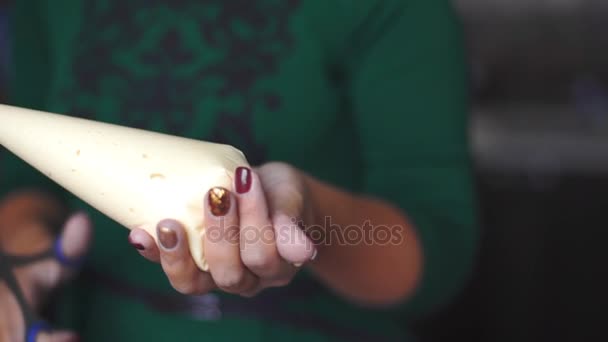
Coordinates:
column 242, row 180
column 136, row 245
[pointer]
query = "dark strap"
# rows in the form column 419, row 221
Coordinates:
column 7, row 263
column 21, row 260
column 33, row 324
column 210, row 307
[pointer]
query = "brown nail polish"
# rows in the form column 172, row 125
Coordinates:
column 167, row 237
column 242, row 180
column 219, row 201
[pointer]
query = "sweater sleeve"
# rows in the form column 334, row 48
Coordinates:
column 407, row 85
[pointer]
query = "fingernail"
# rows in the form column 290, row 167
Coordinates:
column 219, row 201
column 136, row 245
column 167, row 237
column 312, row 258
column 80, row 218
column 314, row 255
column 243, row 180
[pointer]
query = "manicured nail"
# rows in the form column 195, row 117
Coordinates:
column 136, row 245
column 219, row 201
column 167, row 237
column 243, row 180
column 312, row 258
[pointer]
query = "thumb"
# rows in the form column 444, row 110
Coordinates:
column 285, row 194
column 59, row 336
column 75, row 239
column 292, row 243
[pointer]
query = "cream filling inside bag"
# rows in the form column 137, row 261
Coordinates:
column 136, row 177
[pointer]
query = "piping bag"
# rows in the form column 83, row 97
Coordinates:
column 135, row 177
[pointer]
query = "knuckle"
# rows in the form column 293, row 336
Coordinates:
column 233, row 235
column 231, row 278
column 183, row 280
column 174, row 268
column 249, row 208
column 185, row 288
column 150, row 256
column 259, row 260
column 194, row 285
column 250, row 294
column 225, row 233
column 290, row 198
column 199, row 289
column 280, row 282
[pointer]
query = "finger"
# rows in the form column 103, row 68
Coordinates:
column 77, row 235
column 286, row 203
column 258, row 247
column 144, row 244
column 59, row 336
column 292, row 243
column 256, row 291
column 69, row 248
column 75, row 240
column 222, row 241
column 269, row 283
column 177, row 262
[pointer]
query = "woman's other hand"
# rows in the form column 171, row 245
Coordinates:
column 25, row 230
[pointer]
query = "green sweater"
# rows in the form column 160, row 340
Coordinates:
column 369, row 95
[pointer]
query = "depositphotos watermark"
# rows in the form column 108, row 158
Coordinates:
column 327, row 234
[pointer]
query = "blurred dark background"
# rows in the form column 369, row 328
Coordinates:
column 539, row 134
column 540, row 139
column 4, row 50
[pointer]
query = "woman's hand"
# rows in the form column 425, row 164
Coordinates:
column 253, row 237
column 25, row 231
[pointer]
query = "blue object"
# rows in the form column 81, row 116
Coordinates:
column 63, row 259
column 35, row 329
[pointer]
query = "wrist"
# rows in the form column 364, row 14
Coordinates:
column 327, row 208
column 313, row 212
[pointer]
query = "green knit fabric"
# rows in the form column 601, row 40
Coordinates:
column 369, row 95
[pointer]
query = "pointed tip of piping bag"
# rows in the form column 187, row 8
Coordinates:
column 112, row 168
